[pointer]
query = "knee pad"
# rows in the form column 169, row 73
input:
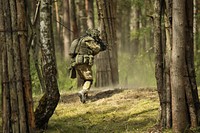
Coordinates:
column 87, row 84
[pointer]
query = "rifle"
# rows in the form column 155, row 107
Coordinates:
column 102, row 44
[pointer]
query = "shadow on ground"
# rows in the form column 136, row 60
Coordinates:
column 104, row 94
column 93, row 96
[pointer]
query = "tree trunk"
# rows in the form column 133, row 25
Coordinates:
column 49, row 100
column 17, row 103
column 90, row 13
column 11, row 79
column 108, row 74
column 196, row 48
column 66, row 31
column 124, row 12
column 82, row 18
column 36, row 43
column 191, row 91
column 22, row 37
column 167, row 57
column 73, row 20
column 57, row 17
column 6, row 114
column 159, row 66
column 134, row 46
column 179, row 78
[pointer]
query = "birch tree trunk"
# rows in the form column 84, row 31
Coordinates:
column 49, row 100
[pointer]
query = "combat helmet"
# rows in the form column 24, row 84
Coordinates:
column 93, row 33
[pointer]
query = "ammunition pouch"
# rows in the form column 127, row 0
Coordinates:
column 84, row 59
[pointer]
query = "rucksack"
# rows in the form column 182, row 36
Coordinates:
column 73, row 47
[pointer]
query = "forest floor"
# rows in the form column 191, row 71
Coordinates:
column 107, row 111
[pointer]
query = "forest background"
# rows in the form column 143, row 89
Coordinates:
column 134, row 39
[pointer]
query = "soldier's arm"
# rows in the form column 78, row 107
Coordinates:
column 90, row 42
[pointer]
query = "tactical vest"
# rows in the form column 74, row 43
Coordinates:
column 79, row 46
column 80, row 52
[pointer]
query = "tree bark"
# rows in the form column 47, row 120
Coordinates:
column 167, row 57
column 49, row 100
column 108, row 74
column 179, row 81
column 90, row 13
column 134, row 46
column 17, row 103
column 15, row 125
column 73, row 20
column 191, row 91
column 26, row 79
column 66, row 30
column 159, row 65
column 6, row 114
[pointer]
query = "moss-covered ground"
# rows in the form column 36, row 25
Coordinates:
column 107, row 111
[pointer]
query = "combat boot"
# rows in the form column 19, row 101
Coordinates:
column 83, row 96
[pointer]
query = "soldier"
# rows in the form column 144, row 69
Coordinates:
column 82, row 52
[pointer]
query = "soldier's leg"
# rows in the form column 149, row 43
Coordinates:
column 86, row 86
column 85, row 73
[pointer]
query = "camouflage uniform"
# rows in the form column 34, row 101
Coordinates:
column 83, row 61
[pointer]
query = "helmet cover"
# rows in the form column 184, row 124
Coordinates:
column 93, row 32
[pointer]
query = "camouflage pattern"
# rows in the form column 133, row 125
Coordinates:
column 88, row 46
column 86, row 49
column 84, row 71
column 93, row 33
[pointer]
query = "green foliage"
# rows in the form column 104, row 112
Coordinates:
column 124, row 4
column 36, row 87
column 141, row 33
column 64, row 81
column 136, row 71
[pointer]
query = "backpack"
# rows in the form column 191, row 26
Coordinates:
column 73, row 47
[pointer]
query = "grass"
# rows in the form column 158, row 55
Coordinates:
column 108, row 111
